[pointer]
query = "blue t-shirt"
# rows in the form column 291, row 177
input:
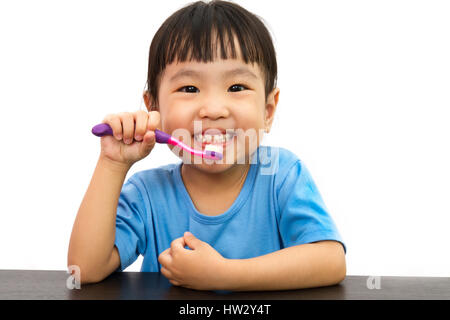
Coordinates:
column 279, row 206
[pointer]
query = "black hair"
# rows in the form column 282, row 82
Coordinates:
column 188, row 33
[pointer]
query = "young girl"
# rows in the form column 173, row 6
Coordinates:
column 209, row 225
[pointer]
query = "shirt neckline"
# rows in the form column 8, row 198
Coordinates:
column 237, row 204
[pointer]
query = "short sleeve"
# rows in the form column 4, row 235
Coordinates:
column 130, row 225
column 303, row 216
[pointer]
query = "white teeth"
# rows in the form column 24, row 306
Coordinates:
column 216, row 138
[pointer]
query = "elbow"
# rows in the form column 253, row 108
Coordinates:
column 90, row 268
column 82, row 272
column 335, row 276
column 336, row 265
column 341, row 273
column 340, row 269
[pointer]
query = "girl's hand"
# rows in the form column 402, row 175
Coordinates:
column 201, row 268
column 133, row 136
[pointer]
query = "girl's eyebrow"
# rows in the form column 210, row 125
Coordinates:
column 186, row 72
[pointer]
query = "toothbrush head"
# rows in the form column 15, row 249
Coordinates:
column 213, row 152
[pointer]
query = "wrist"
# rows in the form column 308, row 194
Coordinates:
column 232, row 273
column 114, row 166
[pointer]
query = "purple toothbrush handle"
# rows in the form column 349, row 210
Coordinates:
column 162, row 137
column 104, row 129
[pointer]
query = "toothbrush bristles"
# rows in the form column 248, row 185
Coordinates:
column 213, row 151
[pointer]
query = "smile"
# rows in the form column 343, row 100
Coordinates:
column 214, row 138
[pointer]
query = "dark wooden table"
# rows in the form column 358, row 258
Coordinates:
column 38, row 285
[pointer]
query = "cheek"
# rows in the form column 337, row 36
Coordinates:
column 250, row 118
column 170, row 112
column 174, row 118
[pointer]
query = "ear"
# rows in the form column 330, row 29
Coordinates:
column 149, row 101
column 271, row 106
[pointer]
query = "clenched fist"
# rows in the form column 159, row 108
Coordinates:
column 133, row 136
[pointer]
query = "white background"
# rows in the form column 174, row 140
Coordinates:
column 365, row 98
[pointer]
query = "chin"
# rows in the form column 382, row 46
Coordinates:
column 212, row 169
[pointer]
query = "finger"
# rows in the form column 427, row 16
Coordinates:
column 165, row 258
column 192, row 241
column 154, row 120
column 175, row 282
column 148, row 142
column 177, row 244
column 128, row 127
column 115, row 124
column 166, row 273
column 140, row 118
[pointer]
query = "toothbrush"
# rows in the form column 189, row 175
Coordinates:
column 211, row 151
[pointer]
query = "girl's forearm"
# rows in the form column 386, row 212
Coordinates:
column 303, row 266
column 93, row 234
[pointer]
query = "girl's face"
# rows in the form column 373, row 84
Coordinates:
column 212, row 99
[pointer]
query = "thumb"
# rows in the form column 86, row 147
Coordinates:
column 148, row 142
column 192, row 241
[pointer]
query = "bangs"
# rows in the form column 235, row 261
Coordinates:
column 200, row 31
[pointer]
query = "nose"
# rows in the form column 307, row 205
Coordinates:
column 214, row 108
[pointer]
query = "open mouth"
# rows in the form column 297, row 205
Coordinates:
column 216, row 138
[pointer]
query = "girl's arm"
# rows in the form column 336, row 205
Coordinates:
column 91, row 245
column 303, row 266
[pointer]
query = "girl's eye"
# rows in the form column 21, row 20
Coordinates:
column 237, row 88
column 233, row 88
column 188, row 89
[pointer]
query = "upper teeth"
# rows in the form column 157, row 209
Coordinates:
column 214, row 138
